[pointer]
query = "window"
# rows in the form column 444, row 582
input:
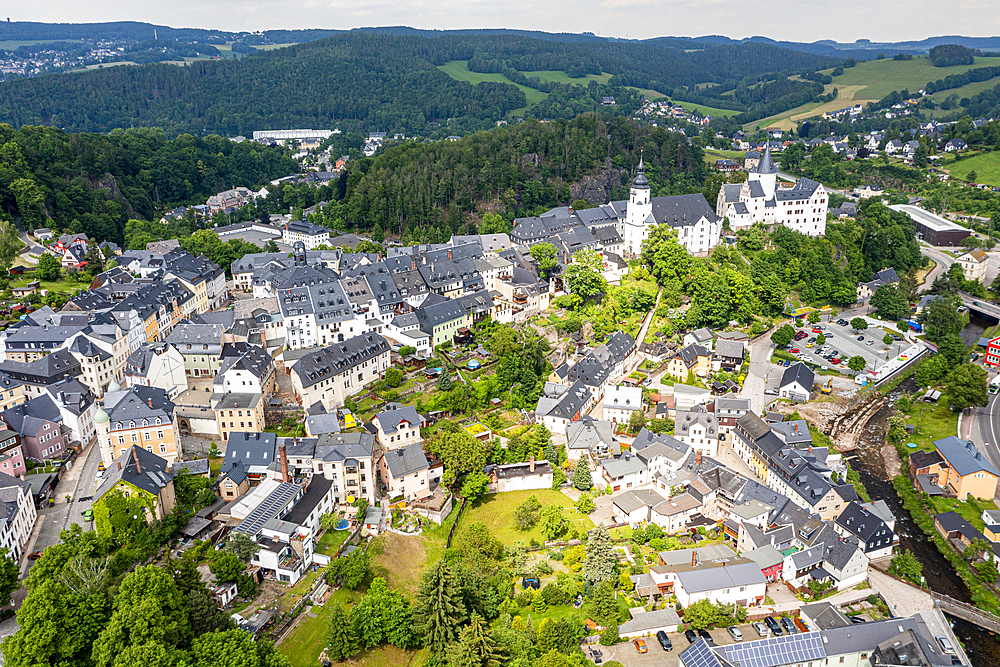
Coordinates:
column 135, row 437
column 159, row 434
column 163, row 448
column 147, row 435
column 121, row 440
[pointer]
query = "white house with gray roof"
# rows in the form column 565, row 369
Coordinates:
column 633, row 506
column 398, row 428
column 405, row 472
column 200, row 345
column 17, row 514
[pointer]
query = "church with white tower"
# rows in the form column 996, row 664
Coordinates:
column 802, row 207
column 698, row 227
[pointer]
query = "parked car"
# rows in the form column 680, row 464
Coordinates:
column 690, row 636
column 835, row 360
column 817, row 330
column 810, row 344
column 945, row 644
column 88, row 515
column 794, row 350
column 640, row 645
column 861, row 337
column 760, row 628
column 773, row 625
column 857, row 619
column 812, row 339
column 664, row 640
column 704, row 635
column 735, row 633
column 34, row 555
column 871, row 342
column 788, row 625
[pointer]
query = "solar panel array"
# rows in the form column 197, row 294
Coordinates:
column 268, row 509
column 700, row 654
column 784, row 650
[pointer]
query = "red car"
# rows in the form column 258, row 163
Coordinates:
column 835, row 360
column 794, row 350
column 817, row 330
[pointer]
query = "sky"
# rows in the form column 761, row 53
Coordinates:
column 799, row 20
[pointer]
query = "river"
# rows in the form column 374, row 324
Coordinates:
column 983, row 648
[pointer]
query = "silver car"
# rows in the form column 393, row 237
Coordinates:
column 760, row 628
column 735, row 633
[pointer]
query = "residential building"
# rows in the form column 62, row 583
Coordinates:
column 141, row 416
column 97, row 368
column 244, row 369
column 522, row 476
column 238, row 412
column 405, row 472
column 35, row 376
column 156, row 365
column 699, row 429
column 136, row 473
column 559, row 405
column 201, row 347
column 673, row 515
column 17, row 515
column 398, row 428
column 883, row 277
column 728, row 410
column 38, row 422
column 78, row 407
column 963, row 470
column 331, row 374
column 692, row 359
column 308, row 233
column 973, row 265
column 797, row 382
column 872, row 533
column 621, row 402
column 633, row 506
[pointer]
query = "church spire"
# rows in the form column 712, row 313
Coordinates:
column 640, row 180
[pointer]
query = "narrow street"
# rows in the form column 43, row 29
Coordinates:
column 760, row 366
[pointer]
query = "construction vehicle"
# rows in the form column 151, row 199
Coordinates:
column 828, row 387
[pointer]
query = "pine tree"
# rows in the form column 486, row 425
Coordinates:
column 341, row 640
column 439, row 611
column 581, row 475
column 475, row 647
column 600, row 561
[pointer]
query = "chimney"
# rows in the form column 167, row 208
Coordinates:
column 284, row 463
column 531, row 463
column 135, row 456
column 449, row 254
column 796, row 429
column 694, row 557
column 119, row 465
column 413, row 264
column 697, row 458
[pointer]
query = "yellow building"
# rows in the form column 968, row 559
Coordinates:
column 239, row 413
column 142, row 416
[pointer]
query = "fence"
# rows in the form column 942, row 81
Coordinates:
column 458, row 517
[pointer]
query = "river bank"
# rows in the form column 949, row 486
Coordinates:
column 870, row 462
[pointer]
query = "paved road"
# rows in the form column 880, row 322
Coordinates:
column 760, row 366
column 942, row 261
column 984, row 430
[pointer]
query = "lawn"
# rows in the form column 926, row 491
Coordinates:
column 331, row 541
column 303, row 645
column 846, row 96
column 497, row 512
column 970, row 511
column 986, row 166
column 459, row 69
column 57, row 286
column 881, row 77
column 935, row 422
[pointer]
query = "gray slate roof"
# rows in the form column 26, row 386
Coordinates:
column 406, row 460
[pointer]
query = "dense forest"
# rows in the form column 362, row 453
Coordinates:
column 94, row 183
column 511, row 171
column 368, row 81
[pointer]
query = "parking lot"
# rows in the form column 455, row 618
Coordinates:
column 655, row 656
column 845, row 340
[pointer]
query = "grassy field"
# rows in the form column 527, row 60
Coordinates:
column 459, row 69
column 553, row 76
column 986, row 166
column 703, row 110
column 936, row 422
column 713, row 154
column 497, row 512
column 846, row 96
column 57, row 286
column 331, row 541
column 881, row 77
column 967, row 90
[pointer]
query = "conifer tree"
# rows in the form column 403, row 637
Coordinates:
column 342, row 643
column 475, row 647
column 439, row 612
column 600, row 560
column 581, row 475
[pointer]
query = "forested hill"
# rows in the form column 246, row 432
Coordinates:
column 94, row 183
column 367, row 81
column 426, row 192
